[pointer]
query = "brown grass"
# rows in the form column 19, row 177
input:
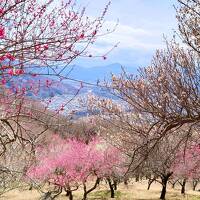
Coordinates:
column 135, row 191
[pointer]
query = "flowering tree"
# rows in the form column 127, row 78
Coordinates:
column 159, row 163
column 161, row 99
column 187, row 165
column 188, row 18
column 68, row 164
column 160, row 102
column 44, row 33
column 38, row 40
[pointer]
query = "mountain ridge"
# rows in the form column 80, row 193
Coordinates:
column 93, row 74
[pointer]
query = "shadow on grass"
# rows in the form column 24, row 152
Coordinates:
column 104, row 195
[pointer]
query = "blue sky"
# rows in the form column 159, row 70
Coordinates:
column 142, row 24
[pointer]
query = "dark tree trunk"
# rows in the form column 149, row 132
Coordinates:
column 47, row 196
column 86, row 192
column 70, row 195
column 194, row 184
column 69, row 191
column 115, row 184
column 164, row 188
column 126, row 182
column 84, row 196
column 183, row 186
column 165, row 179
column 31, row 187
column 57, row 193
column 112, row 191
column 50, row 195
column 137, row 178
column 173, row 184
column 150, row 182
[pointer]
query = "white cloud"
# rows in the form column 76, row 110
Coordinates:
column 130, row 38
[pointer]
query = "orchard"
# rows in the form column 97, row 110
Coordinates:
column 148, row 133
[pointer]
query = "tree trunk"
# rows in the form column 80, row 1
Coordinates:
column 137, row 178
column 165, row 179
column 150, row 182
column 47, row 196
column 164, row 188
column 194, row 184
column 69, row 191
column 126, row 181
column 50, row 195
column 115, row 185
column 70, row 195
column 57, row 193
column 85, row 196
column 173, row 184
column 112, row 191
column 183, row 186
column 86, row 192
column 31, row 187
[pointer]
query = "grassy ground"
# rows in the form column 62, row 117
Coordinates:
column 135, row 191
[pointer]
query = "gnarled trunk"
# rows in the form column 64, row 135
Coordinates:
column 174, row 183
column 150, row 182
column 126, row 181
column 69, row 194
column 115, row 184
column 194, row 184
column 165, row 179
column 50, row 195
column 137, row 178
column 69, row 191
column 86, row 192
column 112, row 191
column 183, row 186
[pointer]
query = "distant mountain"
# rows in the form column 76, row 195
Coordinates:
column 90, row 75
column 93, row 74
column 64, row 91
column 42, row 87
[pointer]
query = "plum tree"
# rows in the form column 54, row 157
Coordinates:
column 67, row 164
column 38, row 40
